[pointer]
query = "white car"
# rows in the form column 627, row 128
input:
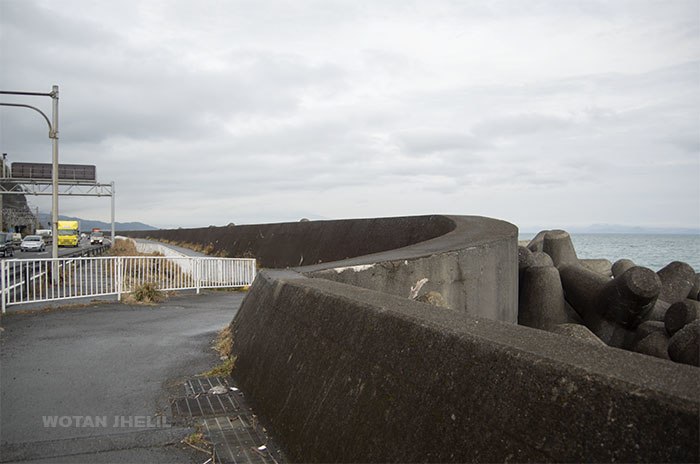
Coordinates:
column 32, row 243
column 96, row 238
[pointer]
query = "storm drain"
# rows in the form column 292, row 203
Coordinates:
column 219, row 409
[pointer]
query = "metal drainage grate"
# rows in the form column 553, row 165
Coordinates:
column 226, row 419
column 196, row 401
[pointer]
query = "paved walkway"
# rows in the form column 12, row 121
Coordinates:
column 95, row 384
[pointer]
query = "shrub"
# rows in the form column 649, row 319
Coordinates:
column 146, row 293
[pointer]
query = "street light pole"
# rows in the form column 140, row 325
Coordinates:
column 53, row 135
column 113, row 237
column 54, row 173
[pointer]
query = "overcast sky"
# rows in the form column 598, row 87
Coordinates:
column 543, row 113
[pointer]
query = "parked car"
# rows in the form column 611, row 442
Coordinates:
column 7, row 248
column 97, row 238
column 16, row 238
column 32, row 243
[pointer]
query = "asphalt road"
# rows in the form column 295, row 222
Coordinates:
column 83, row 245
column 104, row 361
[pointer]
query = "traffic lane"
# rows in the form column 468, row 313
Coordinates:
column 62, row 251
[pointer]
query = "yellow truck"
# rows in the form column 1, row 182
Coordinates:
column 68, row 233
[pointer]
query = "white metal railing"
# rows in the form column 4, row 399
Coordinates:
column 38, row 280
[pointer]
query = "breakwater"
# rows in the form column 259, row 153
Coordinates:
column 619, row 304
column 347, row 367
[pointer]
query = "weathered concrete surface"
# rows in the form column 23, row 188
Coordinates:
column 474, row 267
column 577, row 331
column 354, row 375
column 302, row 243
column 471, row 261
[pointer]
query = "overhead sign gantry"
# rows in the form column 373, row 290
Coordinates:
column 41, row 183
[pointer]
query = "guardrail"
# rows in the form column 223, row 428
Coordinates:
column 32, row 281
column 91, row 251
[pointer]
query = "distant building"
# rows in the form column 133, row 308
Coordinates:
column 15, row 213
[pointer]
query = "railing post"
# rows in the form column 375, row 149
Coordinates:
column 119, row 278
column 3, row 269
column 197, row 272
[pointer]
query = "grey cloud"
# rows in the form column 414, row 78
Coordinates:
column 417, row 142
column 208, row 106
column 688, row 141
column 522, row 124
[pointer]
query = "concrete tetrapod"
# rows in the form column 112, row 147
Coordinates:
column 648, row 327
column 525, row 260
column 540, row 258
column 658, row 312
column 537, row 241
column 684, row 346
column 681, row 314
column 695, row 291
column 654, row 344
column 542, row 303
column 601, row 266
column 558, row 245
column 677, row 280
column 612, row 309
column 620, row 266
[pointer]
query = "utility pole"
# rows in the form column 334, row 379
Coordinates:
column 112, row 199
column 4, row 174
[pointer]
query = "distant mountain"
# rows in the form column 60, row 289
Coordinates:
column 88, row 224
column 620, row 229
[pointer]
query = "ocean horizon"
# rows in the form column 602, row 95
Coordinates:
column 654, row 251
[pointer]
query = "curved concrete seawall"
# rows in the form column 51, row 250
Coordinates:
column 346, row 374
column 471, row 261
column 347, row 368
column 302, row 243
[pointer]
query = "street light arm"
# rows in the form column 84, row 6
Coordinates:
column 37, row 94
column 52, row 133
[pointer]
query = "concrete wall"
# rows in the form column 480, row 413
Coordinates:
column 304, row 243
column 475, row 271
column 353, row 375
column 470, row 260
column 347, row 368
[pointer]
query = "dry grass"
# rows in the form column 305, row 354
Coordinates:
column 224, row 342
column 127, row 248
column 146, row 293
column 223, row 346
column 222, row 370
column 198, row 441
column 208, row 250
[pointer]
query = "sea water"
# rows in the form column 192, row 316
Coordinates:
column 652, row 251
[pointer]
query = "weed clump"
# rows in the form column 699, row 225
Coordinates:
column 223, row 346
column 145, row 293
column 222, row 370
column 224, row 342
